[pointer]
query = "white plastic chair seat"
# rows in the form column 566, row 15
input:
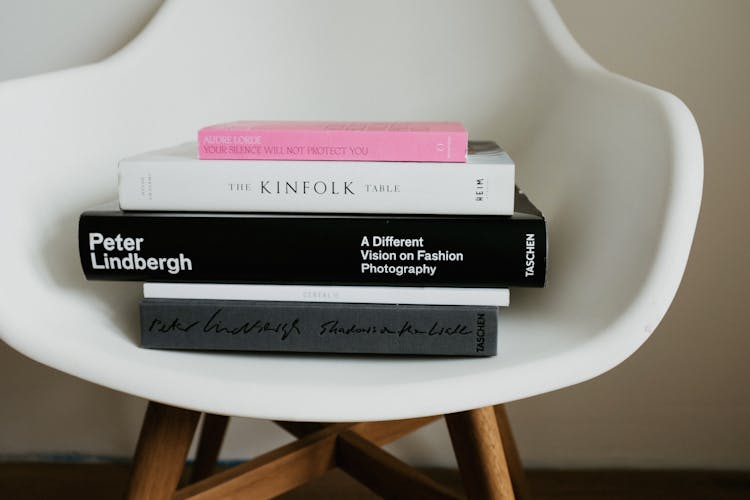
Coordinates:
column 615, row 165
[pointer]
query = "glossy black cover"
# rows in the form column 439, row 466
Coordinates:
column 487, row 251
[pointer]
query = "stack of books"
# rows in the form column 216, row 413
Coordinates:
column 327, row 237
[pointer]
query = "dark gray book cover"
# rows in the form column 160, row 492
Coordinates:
column 319, row 327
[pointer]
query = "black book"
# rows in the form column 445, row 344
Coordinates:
column 321, row 328
column 319, row 249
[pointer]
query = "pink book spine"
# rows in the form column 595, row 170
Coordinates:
column 327, row 141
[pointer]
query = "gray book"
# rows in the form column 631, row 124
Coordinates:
column 238, row 325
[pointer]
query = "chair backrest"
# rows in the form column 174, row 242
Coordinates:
column 616, row 166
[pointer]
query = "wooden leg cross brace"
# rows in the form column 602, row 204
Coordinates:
column 485, row 466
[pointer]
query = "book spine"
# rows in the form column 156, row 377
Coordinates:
column 349, row 294
column 319, row 328
column 333, row 145
column 492, row 252
column 317, row 187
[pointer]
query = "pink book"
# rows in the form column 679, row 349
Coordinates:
column 326, row 141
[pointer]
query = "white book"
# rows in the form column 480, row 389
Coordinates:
column 346, row 294
column 176, row 180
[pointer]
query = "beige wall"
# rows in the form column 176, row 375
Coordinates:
column 683, row 400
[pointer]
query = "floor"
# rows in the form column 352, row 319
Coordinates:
column 103, row 481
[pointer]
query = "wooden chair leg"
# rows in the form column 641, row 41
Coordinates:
column 385, row 474
column 379, row 432
column 212, row 434
column 167, row 432
column 160, row 455
column 515, row 466
column 479, row 452
column 274, row 472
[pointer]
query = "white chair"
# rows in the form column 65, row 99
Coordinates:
column 615, row 165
